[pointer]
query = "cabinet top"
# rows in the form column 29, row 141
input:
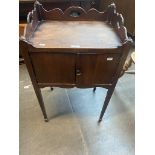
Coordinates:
column 75, row 28
column 75, row 34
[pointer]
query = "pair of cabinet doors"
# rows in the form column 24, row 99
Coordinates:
column 77, row 69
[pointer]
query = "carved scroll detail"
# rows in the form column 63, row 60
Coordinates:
column 117, row 21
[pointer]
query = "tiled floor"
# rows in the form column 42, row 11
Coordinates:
column 73, row 113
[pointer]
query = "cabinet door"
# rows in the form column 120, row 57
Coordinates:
column 54, row 68
column 96, row 69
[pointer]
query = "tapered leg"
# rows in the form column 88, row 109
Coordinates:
column 41, row 102
column 94, row 89
column 106, row 102
column 24, row 48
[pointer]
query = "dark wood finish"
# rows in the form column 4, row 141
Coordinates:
column 37, row 90
column 110, row 91
column 94, row 89
column 21, row 28
column 128, row 63
column 25, row 6
column 127, row 9
column 21, row 33
column 97, row 69
column 48, row 69
column 75, row 48
column 83, row 34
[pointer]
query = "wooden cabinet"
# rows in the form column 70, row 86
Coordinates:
column 75, row 48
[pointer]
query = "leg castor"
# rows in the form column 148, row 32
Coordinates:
column 99, row 120
column 46, row 119
column 52, row 88
column 94, row 89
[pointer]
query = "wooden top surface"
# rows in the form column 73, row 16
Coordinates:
column 75, row 34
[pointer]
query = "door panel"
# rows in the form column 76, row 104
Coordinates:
column 54, row 68
column 96, row 69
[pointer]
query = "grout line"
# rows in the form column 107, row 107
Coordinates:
column 82, row 137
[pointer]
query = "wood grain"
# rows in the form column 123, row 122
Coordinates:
column 75, row 13
column 75, row 34
column 54, row 68
column 97, row 69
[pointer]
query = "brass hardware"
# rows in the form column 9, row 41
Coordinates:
column 109, row 58
column 78, row 72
